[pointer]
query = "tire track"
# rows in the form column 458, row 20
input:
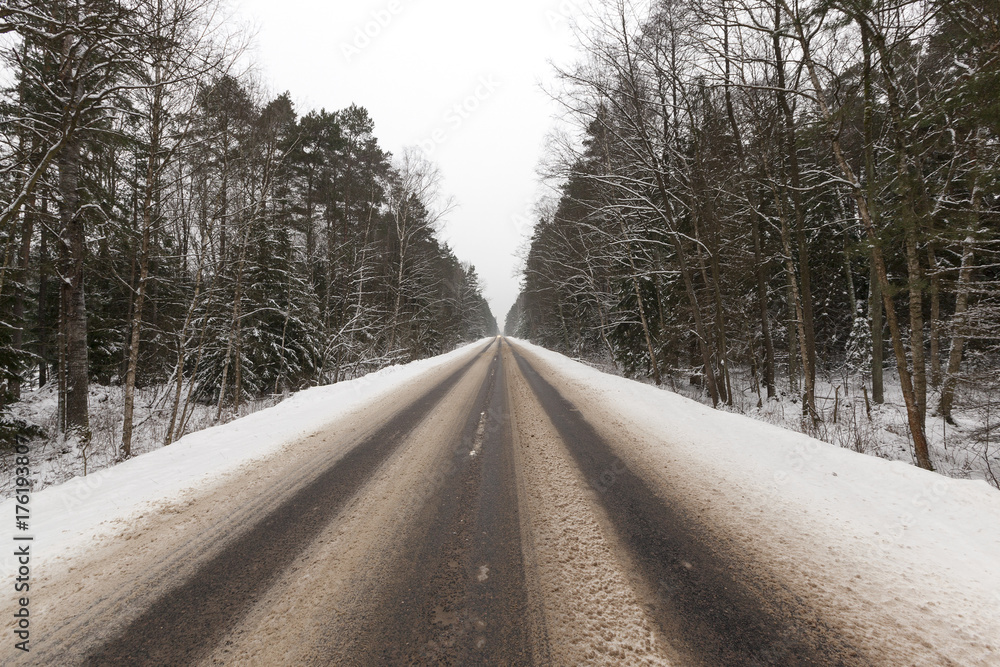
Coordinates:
column 592, row 612
column 183, row 625
column 456, row 594
column 700, row 596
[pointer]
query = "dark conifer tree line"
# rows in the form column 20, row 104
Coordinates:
column 163, row 221
column 767, row 191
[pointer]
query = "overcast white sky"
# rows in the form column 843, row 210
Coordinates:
column 410, row 63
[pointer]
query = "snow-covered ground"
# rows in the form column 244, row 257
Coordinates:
column 57, row 458
column 872, row 537
column 72, row 514
column 963, row 450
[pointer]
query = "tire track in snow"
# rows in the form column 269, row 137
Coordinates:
column 700, row 600
column 590, row 610
column 183, row 625
column 456, row 594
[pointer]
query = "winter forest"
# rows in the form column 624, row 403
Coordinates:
column 178, row 245
column 788, row 209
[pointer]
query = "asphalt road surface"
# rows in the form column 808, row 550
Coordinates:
column 473, row 517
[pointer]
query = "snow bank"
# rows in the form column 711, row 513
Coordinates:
column 73, row 514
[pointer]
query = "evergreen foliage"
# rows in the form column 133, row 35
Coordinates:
column 221, row 242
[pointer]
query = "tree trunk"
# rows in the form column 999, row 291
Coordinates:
column 795, row 310
column 748, row 194
column 914, row 218
column 852, row 295
column 8, row 262
column 140, row 297
column 181, row 354
column 915, row 284
column 720, row 325
column 878, row 339
column 398, row 301
column 789, row 146
column 699, row 324
column 935, row 326
column 44, row 326
column 874, row 289
column 765, row 322
column 233, row 342
column 73, row 302
column 238, row 365
column 959, row 330
column 604, row 337
column 654, row 362
column 185, row 415
column 23, row 262
column 152, row 172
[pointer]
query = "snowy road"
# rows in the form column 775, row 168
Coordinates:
column 495, row 509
